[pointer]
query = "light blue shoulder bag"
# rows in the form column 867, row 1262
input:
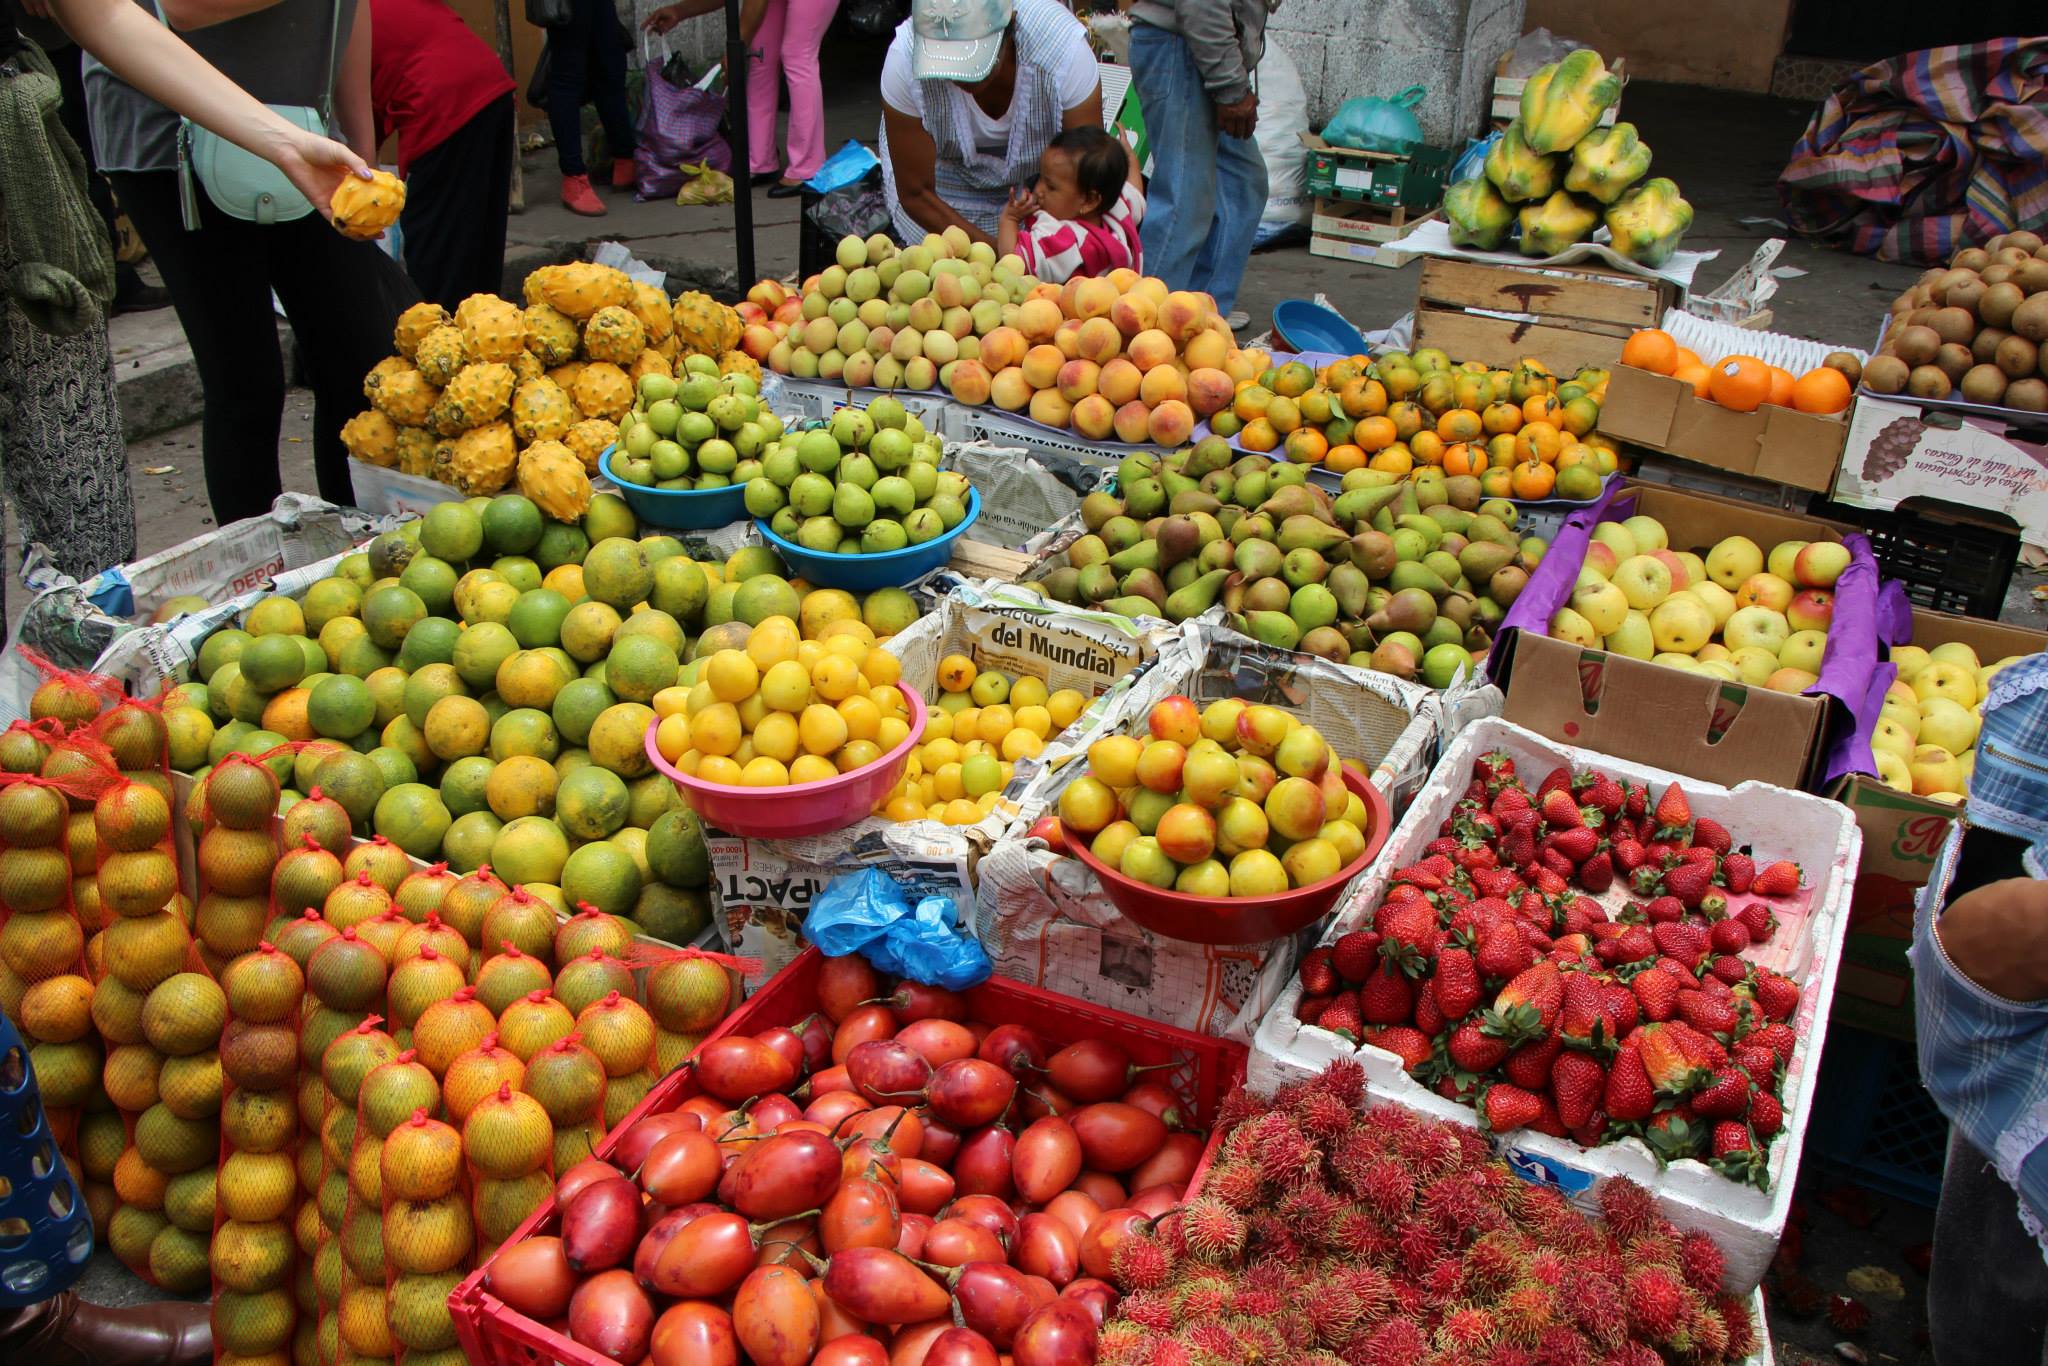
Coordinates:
column 240, row 183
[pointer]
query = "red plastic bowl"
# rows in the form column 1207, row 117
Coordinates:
column 800, row 808
column 1238, row 920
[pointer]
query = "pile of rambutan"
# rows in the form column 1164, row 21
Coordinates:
column 1326, row 1236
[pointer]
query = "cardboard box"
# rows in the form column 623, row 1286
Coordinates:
column 1900, row 449
column 1664, row 414
column 1901, row 835
column 1568, row 317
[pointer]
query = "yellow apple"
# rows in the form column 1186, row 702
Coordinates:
column 1713, row 651
column 1783, row 556
column 1790, row 681
column 1803, row 650
column 1948, row 724
column 1672, row 659
column 1572, row 628
column 1648, row 534
column 1764, row 590
column 1645, row 580
column 1681, row 624
column 1615, row 536
column 1695, row 567
column 1953, row 681
column 1756, row 627
column 1955, row 652
column 1893, row 771
column 1908, row 660
column 1936, row 770
column 1905, row 714
column 1719, row 600
column 1819, row 564
column 1754, row 663
column 1903, row 694
column 1603, row 605
column 1632, row 637
column 1733, row 559
column 1890, row 735
column 1719, row 668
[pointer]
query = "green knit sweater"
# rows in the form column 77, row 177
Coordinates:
column 55, row 260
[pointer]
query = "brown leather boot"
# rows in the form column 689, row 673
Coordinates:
column 66, row 1331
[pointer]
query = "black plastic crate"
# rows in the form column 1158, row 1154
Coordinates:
column 1946, row 563
column 1873, row 1122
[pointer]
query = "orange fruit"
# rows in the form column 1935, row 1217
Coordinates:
column 1698, row 376
column 1464, row 459
column 1395, row 459
column 1374, row 434
column 1533, row 479
column 1459, row 424
column 1344, row 458
column 1497, row 482
column 1306, row 446
column 1258, row 435
column 1650, row 349
column 1428, row 447
column 1781, row 387
column 1688, row 356
column 1408, row 419
column 1740, row 383
column 1821, row 390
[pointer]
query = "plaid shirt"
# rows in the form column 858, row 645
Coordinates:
column 1982, row 1057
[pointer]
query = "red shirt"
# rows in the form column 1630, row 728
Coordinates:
column 429, row 74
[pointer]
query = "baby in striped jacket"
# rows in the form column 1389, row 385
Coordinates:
column 1082, row 215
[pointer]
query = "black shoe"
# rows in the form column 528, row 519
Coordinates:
column 764, row 178
column 141, row 299
column 782, row 189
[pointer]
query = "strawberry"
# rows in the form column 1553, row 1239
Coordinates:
column 1731, row 1138
column 1556, row 865
column 1504, row 1108
column 1776, row 996
column 1672, row 1134
column 1780, row 879
column 1472, row 1050
column 1559, row 779
column 1596, row 874
column 1580, row 914
column 1317, row 977
column 1342, row 1017
column 1352, row 956
column 1758, row 1061
column 1632, row 945
column 1428, row 1018
column 1604, row 795
column 1728, row 968
column 1657, row 993
column 1766, row 1114
column 1686, row 943
column 1387, row 998
column 1728, row 936
column 1699, row 853
column 1495, row 882
column 1309, row 1009
column 1507, row 803
column 1665, row 1060
column 1518, row 847
column 1711, row 834
column 1759, row 920
column 1503, row 951
column 1674, row 812
column 1408, row 934
column 1628, row 855
column 1445, row 846
column 1725, row 1096
column 1779, row 1038
column 1549, row 882
column 1410, row 1045
column 1576, row 1083
column 1621, row 1008
column 1529, row 1066
column 1493, row 766
column 1456, row 985
column 1688, row 882
column 1628, row 1095
column 1738, row 872
column 1559, row 811
column 1528, row 1005
column 1581, row 1016
column 1635, row 800
column 1576, row 844
column 1663, row 910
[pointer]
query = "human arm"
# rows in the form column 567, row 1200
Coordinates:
column 353, row 111
column 1997, row 936
column 187, row 15
column 752, row 12
column 1016, row 212
column 668, row 16
column 912, row 159
column 142, row 52
column 1209, row 28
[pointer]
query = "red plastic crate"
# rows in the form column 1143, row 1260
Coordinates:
column 1199, row 1068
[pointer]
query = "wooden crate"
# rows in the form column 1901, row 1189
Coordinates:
column 980, row 560
column 1565, row 316
column 1346, row 231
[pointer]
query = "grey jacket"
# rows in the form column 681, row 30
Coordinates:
column 1225, row 37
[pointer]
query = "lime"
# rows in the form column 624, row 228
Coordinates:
column 463, row 783
column 273, row 663
column 430, row 641
column 452, row 532
column 579, row 704
column 536, row 619
column 341, row 707
column 480, row 650
column 512, row 524
column 434, row 580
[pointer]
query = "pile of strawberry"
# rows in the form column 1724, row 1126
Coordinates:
column 1498, row 980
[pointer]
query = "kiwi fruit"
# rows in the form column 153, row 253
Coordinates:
column 1963, row 292
column 2030, row 319
column 1922, row 314
column 1995, row 308
column 1916, row 344
column 1954, row 325
column 1928, row 381
column 1886, row 375
column 2011, row 256
column 2028, row 395
column 1954, row 360
column 1847, row 363
column 1982, row 384
column 2024, row 240
column 1995, row 275
column 2032, row 276
column 2017, row 357
column 1971, row 258
column 1985, row 347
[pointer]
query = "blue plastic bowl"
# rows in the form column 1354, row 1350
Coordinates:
column 679, row 509
column 1306, row 326
column 865, row 573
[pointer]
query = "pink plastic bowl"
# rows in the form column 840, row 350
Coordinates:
column 801, row 808
column 1238, row 920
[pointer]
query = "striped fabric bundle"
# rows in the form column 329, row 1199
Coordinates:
column 1913, row 158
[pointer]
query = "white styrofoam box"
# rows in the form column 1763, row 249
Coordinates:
column 820, row 398
column 1002, row 428
column 1713, row 340
column 390, row 493
column 1820, row 835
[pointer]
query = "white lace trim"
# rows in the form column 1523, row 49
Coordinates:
column 2026, row 1133
column 2016, row 681
column 2019, row 824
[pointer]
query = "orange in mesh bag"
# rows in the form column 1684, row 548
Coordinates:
column 521, row 918
column 466, row 900
column 319, row 818
column 569, row 1081
column 72, row 697
column 509, row 974
column 421, row 893
column 386, row 863
column 510, row 1145
column 306, row 875
column 688, row 991
column 237, row 853
column 429, row 1233
column 448, row 1029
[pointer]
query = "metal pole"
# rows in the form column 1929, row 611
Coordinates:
column 502, row 40
column 736, row 118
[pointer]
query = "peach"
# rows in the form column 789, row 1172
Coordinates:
column 821, row 335
column 1160, row 764
column 1151, row 349
column 1255, row 777
column 1067, row 293
column 1303, row 753
column 1209, row 391
column 1144, row 861
column 957, row 321
column 1171, row 423
column 1207, row 350
column 1241, row 825
column 789, row 311
column 1049, row 407
column 1119, row 381
column 1098, row 340
column 1240, row 366
column 1162, row 384
column 1133, row 423
column 832, row 364
column 881, row 339
column 1038, row 318
column 758, row 340
column 1078, row 379
column 1094, row 417
column 1009, row 390
column 1186, row 833
column 749, row 311
column 925, row 315
column 948, row 291
column 1067, row 337
column 1087, row 804
column 1295, row 808
column 1002, row 348
column 1311, row 861
column 779, row 357
column 970, row 383
column 1184, row 313
column 1153, row 288
column 1093, row 299
column 859, row 370
column 940, row 348
column 1133, row 313
column 767, row 294
column 1175, row 718
column 1049, row 293
column 921, row 372
column 1210, row 777
column 1260, row 730
column 1123, row 277
column 1041, row 366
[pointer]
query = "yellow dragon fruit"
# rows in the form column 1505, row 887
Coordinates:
column 551, row 336
column 535, row 289
column 668, row 348
column 364, row 208
column 481, row 461
column 541, row 411
column 602, row 390
column 414, row 324
column 565, row 375
column 496, row 329
column 526, row 366
column 441, row 354
column 372, row 438
column 405, row 397
column 479, row 394
column 652, row 308
column 416, row 451
column 650, row 363
column 705, row 326
column 381, row 371
column 587, row 440
column 740, row 363
column 613, row 334
column 580, row 289
column 552, row 476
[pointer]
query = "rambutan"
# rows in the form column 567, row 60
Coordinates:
column 1257, row 1303
column 1382, row 1184
column 1206, row 1298
column 1262, row 1340
column 1357, row 1232
column 1390, row 1120
column 1847, row 1314
column 1344, row 1079
column 1709, row 1333
column 1397, row 1342
column 1236, row 1184
column 1284, row 1153
column 1633, row 1354
column 1492, row 1264
column 1139, row 1262
column 1739, row 1325
column 1420, row 1244
column 1527, row 1311
column 1626, row 1208
column 1560, row 1346
column 1599, row 1310
column 1658, row 1303
column 1239, row 1106
column 1312, row 1211
column 1442, row 1282
column 1321, row 1114
column 1213, row 1338
column 1370, row 1288
column 1431, row 1152
column 1273, row 1237
column 1509, row 1354
column 1150, row 1309
column 1469, row 1329
column 1331, row 1311
column 1547, row 1266
column 1121, row 1343
column 1452, row 1205
column 1169, row 1352
column 1214, row 1231
column 1701, row 1262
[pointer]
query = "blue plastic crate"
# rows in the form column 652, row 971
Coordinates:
column 1872, row 1120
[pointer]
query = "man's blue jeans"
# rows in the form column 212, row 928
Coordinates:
column 1203, row 203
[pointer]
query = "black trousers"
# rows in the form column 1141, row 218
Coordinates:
column 341, row 296
column 71, row 80
column 456, row 198
column 587, row 61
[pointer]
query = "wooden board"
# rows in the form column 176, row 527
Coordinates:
column 1560, row 292
column 979, row 560
column 1503, row 342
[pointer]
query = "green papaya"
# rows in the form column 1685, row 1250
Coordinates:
column 1518, row 173
column 1478, row 216
column 1648, row 222
column 1607, row 161
column 1548, row 228
column 1564, row 101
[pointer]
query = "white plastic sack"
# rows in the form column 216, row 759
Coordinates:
column 1283, row 118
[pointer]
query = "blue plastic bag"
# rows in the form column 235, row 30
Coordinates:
column 844, row 167
column 1375, row 125
column 867, row 913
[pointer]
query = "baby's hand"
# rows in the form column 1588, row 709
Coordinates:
column 1022, row 204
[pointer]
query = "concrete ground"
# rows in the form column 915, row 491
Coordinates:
column 1723, row 149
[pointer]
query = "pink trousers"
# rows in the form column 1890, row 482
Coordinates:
column 788, row 41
